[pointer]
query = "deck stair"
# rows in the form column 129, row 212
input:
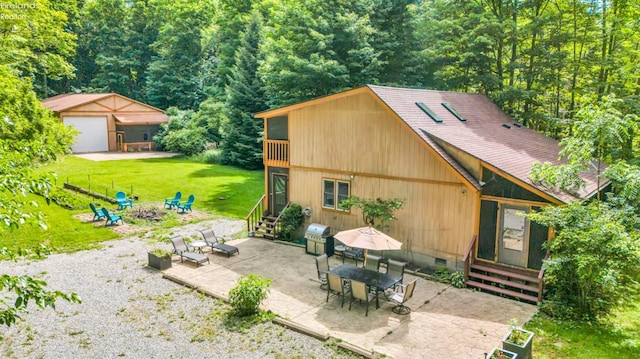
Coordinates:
column 503, row 281
column 266, row 227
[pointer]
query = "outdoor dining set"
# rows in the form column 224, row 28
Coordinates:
column 365, row 283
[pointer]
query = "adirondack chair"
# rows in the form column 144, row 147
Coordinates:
column 123, row 201
column 173, row 202
column 111, row 217
column 186, row 206
column 96, row 214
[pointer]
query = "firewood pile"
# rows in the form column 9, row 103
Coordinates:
column 148, row 214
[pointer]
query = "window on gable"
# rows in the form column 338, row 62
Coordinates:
column 334, row 192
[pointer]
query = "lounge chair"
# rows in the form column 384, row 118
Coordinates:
column 111, row 217
column 97, row 215
column 180, row 248
column 212, row 241
column 173, row 202
column 123, row 201
column 186, row 205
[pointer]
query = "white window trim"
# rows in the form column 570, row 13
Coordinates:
column 335, row 182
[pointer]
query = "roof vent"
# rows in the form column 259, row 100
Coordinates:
column 506, row 126
column 454, row 112
column 428, row 111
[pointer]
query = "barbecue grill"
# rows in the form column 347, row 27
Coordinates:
column 319, row 241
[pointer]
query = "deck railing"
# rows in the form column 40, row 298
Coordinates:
column 541, row 277
column 276, row 153
column 468, row 257
column 277, row 226
column 255, row 215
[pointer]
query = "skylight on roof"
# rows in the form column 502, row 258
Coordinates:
column 428, row 111
column 454, row 112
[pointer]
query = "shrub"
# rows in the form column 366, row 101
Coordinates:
column 246, row 296
column 291, row 219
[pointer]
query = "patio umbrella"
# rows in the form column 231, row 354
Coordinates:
column 368, row 238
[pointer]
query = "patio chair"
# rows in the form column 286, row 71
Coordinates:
column 97, row 215
column 357, row 254
column 111, row 217
column 211, row 240
column 372, row 263
column 401, row 297
column 336, row 286
column 123, row 201
column 180, row 248
column 186, row 205
column 173, row 202
column 396, row 269
column 322, row 265
column 359, row 292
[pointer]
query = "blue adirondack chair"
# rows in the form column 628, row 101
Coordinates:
column 96, row 215
column 186, row 206
column 173, row 202
column 123, row 201
column 111, row 217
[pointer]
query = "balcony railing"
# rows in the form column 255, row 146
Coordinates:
column 276, row 153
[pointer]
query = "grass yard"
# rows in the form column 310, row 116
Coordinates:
column 219, row 190
column 620, row 338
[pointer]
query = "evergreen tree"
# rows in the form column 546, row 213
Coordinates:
column 242, row 143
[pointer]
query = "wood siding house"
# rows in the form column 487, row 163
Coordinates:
column 460, row 163
column 107, row 122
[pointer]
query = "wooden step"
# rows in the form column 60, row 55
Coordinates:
column 495, row 289
column 504, row 273
column 505, row 282
column 266, row 228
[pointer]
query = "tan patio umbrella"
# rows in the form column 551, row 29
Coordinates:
column 368, row 238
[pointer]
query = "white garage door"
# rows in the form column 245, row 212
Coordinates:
column 93, row 135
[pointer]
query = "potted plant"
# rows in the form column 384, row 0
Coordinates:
column 160, row 258
column 518, row 340
column 498, row 353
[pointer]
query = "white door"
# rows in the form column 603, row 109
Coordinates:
column 93, row 135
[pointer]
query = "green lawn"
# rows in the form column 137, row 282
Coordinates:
column 619, row 338
column 218, row 190
column 221, row 190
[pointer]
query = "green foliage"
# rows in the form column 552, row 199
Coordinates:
column 375, row 212
column 161, row 252
column 246, row 296
column 594, row 263
column 456, row 278
column 242, row 143
column 291, row 219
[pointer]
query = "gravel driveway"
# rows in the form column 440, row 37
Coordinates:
column 129, row 311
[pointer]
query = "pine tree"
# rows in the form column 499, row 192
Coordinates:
column 242, row 143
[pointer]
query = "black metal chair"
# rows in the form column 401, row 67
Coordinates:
column 337, row 286
column 357, row 254
column 359, row 292
column 401, row 297
column 372, row 263
column 322, row 265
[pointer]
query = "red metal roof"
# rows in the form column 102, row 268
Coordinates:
column 67, row 101
column 511, row 150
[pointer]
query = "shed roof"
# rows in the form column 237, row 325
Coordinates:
column 141, row 119
column 486, row 133
column 64, row 102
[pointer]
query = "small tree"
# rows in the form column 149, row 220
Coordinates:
column 246, row 296
column 291, row 219
column 375, row 212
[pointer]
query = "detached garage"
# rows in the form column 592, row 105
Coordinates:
column 108, row 122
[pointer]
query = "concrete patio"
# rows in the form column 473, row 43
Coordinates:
column 446, row 322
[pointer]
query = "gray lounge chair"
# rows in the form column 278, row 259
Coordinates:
column 180, row 248
column 211, row 240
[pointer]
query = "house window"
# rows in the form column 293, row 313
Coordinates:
column 334, row 192
column 145, row 137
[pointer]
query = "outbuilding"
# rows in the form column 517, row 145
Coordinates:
column 108, row 122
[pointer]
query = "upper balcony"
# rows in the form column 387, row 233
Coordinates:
column 276, row 153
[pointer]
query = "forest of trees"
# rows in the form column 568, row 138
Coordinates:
column 219, row 61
